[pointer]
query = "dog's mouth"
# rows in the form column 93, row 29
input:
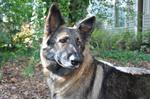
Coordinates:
column 58, row 68
column 70, row 66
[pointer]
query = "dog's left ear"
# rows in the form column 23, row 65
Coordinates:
column 86, row 27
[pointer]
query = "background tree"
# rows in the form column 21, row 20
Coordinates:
column 140, row 15
column 116, row 6
column 18, row 12
column 72, row 10
column 140, row 21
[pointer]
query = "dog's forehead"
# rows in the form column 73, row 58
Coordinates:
column 67, row 31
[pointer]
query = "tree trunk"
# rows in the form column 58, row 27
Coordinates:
column 140, row 22
column 140, row 16
column 116, row 14
column 77, row 10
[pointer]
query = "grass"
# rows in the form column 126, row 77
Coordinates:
column 1, row 75
column 28, row 71
column 124, row 56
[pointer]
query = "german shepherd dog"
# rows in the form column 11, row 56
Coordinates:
column 73, row 73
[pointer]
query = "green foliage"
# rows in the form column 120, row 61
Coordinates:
column 4, row 39
column 124, row 47
column 124, row 56
column 29, row 69
column 23, row 37
column 146, row 36
column 107, row 40
column 14, row 13
column 1, row 75
column 73, row 10
column 5, row 56
column 17, row 13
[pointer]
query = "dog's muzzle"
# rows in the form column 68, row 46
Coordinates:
column 71, row 61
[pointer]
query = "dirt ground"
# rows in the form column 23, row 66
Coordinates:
column 14, row 85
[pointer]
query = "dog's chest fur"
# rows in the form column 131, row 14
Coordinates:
column 87, row 87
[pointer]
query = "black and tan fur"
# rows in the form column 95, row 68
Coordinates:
column 72, row 72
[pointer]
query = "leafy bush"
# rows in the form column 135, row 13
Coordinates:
column 14, row 13
column 145, row 46
column 103, row 40
column 24, row 36
column 124, row 47
column 4, row 39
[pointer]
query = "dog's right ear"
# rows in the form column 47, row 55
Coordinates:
column 53, row 20
column 85, row 27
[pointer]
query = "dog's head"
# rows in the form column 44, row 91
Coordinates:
column 63, row 45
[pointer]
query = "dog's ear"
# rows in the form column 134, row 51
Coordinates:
column 86, row 27
column 53, row 20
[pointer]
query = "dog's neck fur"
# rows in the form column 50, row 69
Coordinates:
column 62, row 85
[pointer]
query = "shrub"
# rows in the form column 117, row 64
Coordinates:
column 103, row 40
column 23, row 37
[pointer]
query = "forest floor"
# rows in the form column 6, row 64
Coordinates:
column 15, row 85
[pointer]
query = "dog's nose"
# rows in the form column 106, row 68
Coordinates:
column 75, row 62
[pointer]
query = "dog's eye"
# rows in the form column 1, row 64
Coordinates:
column 78, row 41
column 64, row 40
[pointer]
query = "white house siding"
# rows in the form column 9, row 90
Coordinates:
column 146, row 15
column 146, row 23
column 131, row 24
